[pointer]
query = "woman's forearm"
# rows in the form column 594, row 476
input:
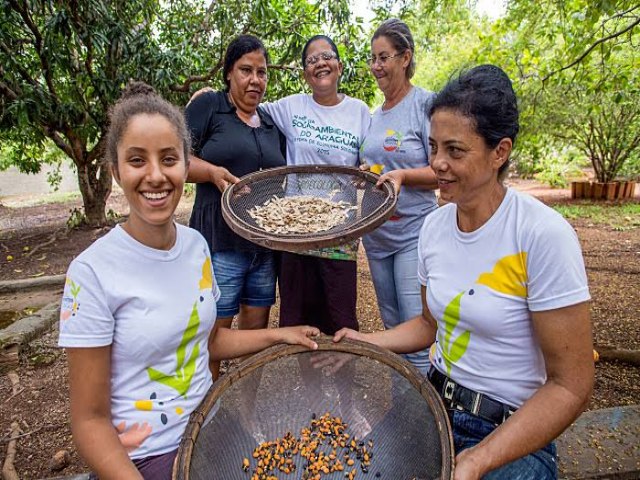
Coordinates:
column 199, row 170
column 423, row 177
column 538, row 422
column 98, row 444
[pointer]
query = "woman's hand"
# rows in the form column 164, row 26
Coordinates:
column 396, row 177
column 199, row 92
column 221, row 177
column 349, row 333
column 299, row 335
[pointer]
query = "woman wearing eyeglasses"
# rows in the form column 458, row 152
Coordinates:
column 326, row 127
column 399, row 139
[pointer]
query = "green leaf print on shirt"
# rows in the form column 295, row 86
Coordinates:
column 452, row 351
column 181, row 379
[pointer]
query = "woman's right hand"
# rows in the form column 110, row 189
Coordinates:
column 396, row 177
column 351, row 334
column 221, row 177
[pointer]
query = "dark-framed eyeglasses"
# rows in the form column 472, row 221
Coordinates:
column 326, row 56
column 382, row 59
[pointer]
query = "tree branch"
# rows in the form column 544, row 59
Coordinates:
column 46, row 69
column 590, row 49
column 184, row 87
column 7, row 92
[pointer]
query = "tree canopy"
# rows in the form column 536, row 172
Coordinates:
column 64, row 63
column 575, row 66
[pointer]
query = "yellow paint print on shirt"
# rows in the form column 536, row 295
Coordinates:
column 206, row 282
column 509, row 275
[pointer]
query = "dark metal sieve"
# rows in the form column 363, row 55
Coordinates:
column 386, row 403
column 347, row 184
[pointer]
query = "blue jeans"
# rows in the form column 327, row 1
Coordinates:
column 395, row 279
column 244, row 278
column 469, row 430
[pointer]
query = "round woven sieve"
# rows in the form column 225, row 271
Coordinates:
column 386, row 404
column 357, row 188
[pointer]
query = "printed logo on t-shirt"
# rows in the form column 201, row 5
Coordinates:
column 509, row 277
column 70, row 305
column 324, row 137
column 393, row 141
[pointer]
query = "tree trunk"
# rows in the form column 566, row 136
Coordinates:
column 94, row 180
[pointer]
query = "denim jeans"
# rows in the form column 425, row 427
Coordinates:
column 244, row 278
column 395, row 279
column 469, row 430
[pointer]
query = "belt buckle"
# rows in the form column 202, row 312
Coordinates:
column 477, row 400
column 448, row 389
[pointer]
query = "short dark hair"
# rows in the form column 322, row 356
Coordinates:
column 239, row 46
column 136, row 99
column 485, row 95
column 400, row 37
column 313, row 39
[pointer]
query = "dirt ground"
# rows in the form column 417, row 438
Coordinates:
column 34, row 241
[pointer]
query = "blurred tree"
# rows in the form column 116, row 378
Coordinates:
column 63, row 63
column 574, row 65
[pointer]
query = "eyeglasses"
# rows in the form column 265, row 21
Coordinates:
column 382, row 59
column 313, row 59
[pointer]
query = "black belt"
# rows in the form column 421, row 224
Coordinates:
column 457, row 397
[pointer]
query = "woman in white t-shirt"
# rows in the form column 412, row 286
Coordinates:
column 139, row 306
column 504, row 292
column 325, row 127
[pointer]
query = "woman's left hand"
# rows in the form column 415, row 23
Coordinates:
column 396, row 177
column 299, row 335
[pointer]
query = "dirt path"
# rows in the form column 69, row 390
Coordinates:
column 613, row 266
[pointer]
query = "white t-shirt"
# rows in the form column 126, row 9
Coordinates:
column 482, row 286
column 317, row 134
column 156, row 309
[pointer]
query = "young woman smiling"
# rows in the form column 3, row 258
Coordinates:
column 139, row 306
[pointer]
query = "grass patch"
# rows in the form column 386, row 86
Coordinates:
column 44, row 199
column 622, row 216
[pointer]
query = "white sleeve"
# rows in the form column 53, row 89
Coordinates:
column 422, row 244
column 556, row 272
column 85, row 317
column 279, row 112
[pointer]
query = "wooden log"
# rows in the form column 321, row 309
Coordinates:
column 631, row 357
column 610, row 190
column 9, row 357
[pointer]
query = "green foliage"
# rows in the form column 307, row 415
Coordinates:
column 76, row 218
column 574, row 66
column 622, row 216
column 63, row 64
